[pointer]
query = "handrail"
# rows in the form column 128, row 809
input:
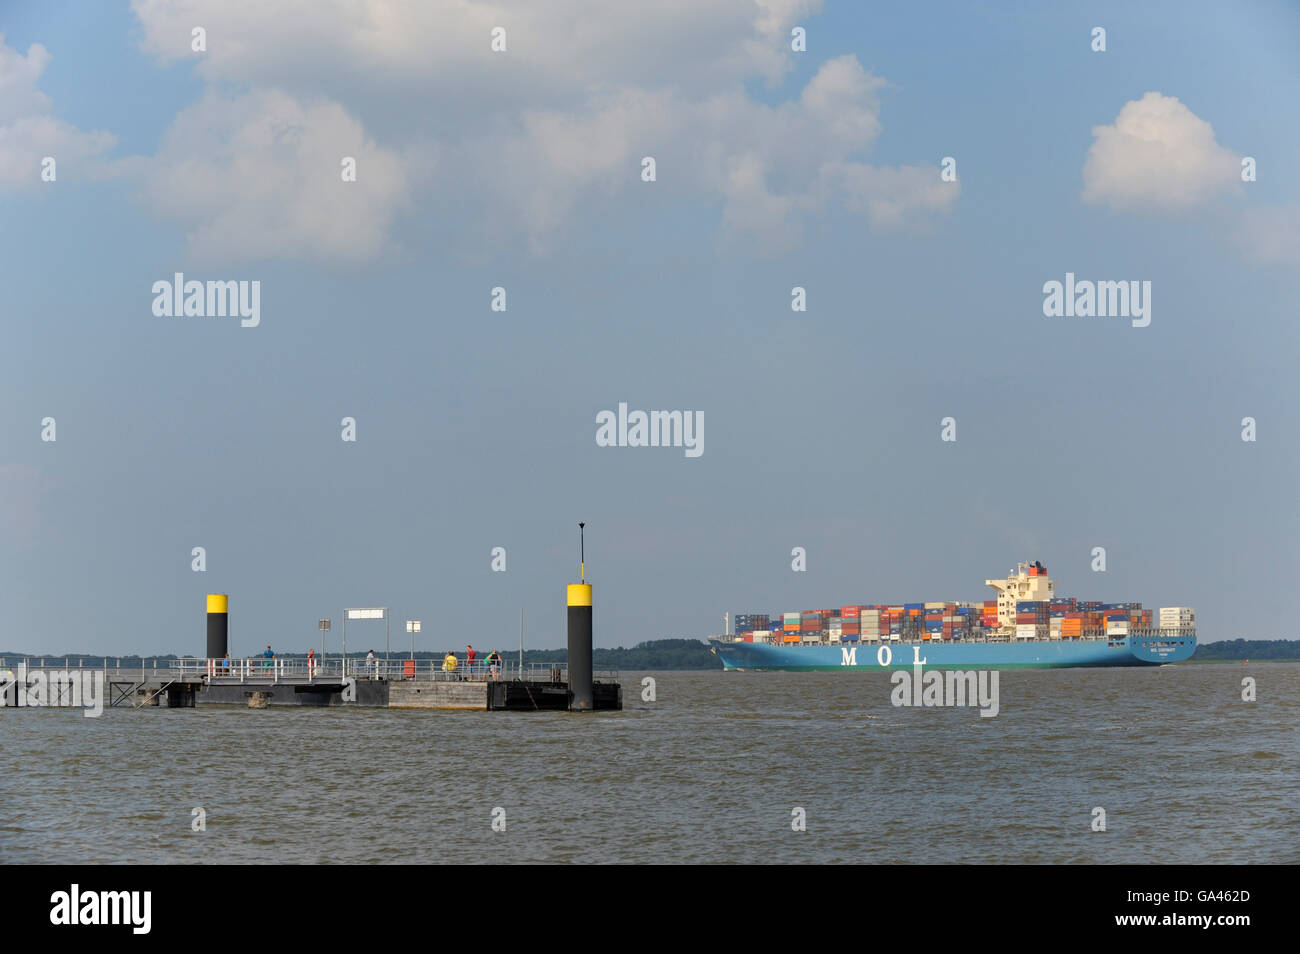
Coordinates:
column 299, row 670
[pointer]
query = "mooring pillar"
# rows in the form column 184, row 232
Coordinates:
column 218, row 627
column 580, row 647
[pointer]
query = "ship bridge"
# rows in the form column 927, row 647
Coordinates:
column 1029, row 581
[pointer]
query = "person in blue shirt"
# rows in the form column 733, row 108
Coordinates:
column 269, row 656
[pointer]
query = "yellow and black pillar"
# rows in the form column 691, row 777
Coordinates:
column 218, row 630
column 580, row 698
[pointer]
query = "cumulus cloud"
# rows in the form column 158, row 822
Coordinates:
column 1158, row 155
column 260, row 176
column 526, row 140
column 28, row 132
column 442, row 46
column 768, row 165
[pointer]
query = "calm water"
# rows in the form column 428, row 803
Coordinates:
column 708, row 773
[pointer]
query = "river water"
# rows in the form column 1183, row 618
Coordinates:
column 715, row 769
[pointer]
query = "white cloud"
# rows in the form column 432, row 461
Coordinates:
column 769, row 165
column 527, row 139
column 1161, row 157
column 28, row 132
column 1158, row 155
column 260, row 176
column 562, row 47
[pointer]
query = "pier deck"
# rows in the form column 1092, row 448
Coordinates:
column 397, row 684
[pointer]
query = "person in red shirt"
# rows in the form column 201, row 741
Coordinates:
column 469, row 656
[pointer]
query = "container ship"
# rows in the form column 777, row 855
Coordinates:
column 1026, row 626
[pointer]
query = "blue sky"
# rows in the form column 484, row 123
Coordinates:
column 774, row 169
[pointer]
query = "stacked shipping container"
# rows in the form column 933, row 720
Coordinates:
column 1060, row 618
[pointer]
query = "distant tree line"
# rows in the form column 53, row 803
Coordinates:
column 1234, row 649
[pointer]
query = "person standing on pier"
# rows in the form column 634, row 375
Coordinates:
column 469, row 658
column 225, row 664
column 267, row 656
column 373, row 663
column 449, row 662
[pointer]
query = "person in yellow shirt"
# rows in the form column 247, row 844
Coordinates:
column 449, row 662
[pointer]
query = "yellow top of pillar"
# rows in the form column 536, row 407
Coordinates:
column 218, row 603
column 579, row 594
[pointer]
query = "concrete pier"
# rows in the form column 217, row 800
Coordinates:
column 199, row 683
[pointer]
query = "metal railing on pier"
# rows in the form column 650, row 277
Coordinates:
column 301, row 670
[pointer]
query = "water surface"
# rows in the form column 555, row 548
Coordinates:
column 710, row 772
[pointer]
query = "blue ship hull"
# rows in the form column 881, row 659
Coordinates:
column 1035, row 653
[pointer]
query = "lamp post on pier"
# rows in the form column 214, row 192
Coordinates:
column 412, row 627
